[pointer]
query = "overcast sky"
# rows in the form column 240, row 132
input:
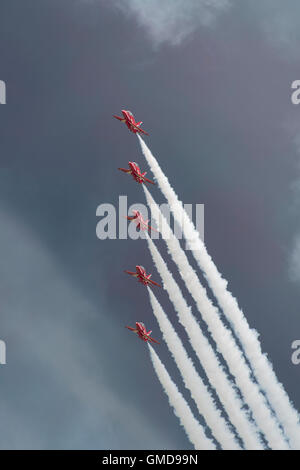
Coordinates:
column 212, row 82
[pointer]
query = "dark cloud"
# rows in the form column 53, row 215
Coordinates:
column 216, row 107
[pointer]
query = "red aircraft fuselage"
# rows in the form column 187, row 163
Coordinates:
column 136, row 173
column 139, row 221
column 142, row 276
column 142, row 333
column 130, row 122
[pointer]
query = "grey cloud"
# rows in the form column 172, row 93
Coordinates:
column 51, row 358
column 280, row 22
column 172, row 21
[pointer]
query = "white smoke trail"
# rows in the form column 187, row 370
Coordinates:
column 221, row 335
column 261, row 366
column 191, row 426
column 192, row 381
column 205, row 353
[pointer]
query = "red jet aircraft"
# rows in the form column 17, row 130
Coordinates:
column 130, row 122
column 136, row 173
column 141, row 275
column 139, row 221
column 141, row 331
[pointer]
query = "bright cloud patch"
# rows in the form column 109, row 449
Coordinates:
column 172, row 20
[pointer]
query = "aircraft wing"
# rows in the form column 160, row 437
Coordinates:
column 141, row 131
column 131, row 329
column 151, row 228
column 125, row 170
column 138, row 129
column 148, row 181
column 153, row 340
column 131, row 273
column 155, row 283
column 118, row 117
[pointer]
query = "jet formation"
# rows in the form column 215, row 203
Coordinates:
column 140, row 177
